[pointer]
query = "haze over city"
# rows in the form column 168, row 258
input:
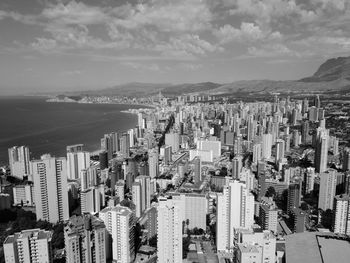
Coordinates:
column 77, row 45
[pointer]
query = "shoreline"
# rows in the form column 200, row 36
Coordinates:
column 67, row 100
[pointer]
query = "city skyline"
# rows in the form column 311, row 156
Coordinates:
column 78, row 45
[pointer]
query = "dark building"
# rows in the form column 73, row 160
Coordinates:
column 103, row 157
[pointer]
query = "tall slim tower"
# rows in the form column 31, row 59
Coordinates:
column 341, row 223
column 120, row 224
column 321, row 150
column 328, row 184
column 153, row 163
column 294, row 196
column 19, row 161
column 169, row 231
column 50, row 188
column 235, row 209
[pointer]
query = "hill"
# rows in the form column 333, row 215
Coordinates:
column 332, row 69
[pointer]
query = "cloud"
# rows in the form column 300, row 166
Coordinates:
column 166, row 15
column 44, row 44
column 74, row 13
column 143, row 67
column 247, row 32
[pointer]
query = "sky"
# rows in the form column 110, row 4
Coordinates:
column 63, row 45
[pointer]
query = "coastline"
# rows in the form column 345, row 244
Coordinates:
column 68, row 100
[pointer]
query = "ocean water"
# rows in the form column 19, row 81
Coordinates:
column 49, row 127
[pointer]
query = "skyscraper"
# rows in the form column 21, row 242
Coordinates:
column 153, row 163
column 50, row 188
column 197, row 170
column 85, row 239
column 32, row 245
column 145, row 183
column 236, row 167
column 19, row 161
column 341, row 222
column 266, row 146
column 279, row 150
column 321, row 150
column 294, row 196
column 137, row 198
column 328, row 184
column 120, row 224
column 172, row 139
column 77, row 160
column 169, row 231
column 235, row 209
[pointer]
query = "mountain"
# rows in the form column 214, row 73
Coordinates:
column 332, row 76
column 332, row 69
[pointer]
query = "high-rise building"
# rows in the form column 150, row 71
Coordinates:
column 280, row 147
column 266, row 146
column 91, row 199
column 120, row 223
column 341, row 222
column 153, row 163
column 103, row 157
column 309, row 179
column 32, row 245
column 137, row 198
column 173, row 139
column 321, row 150
column 294, row 196
column 85, row 239
column 77, row 160
column 169, row 229
column 235, row 209
column 268, row 214
column 119, row 190
column 197, row 176
column 145, row 183
column 328, row 184
column 346, row 159
column 50, row 188
column 125, row 144
column 107, row 145
column 256, row 153
column 236, row 167
column 19, row 161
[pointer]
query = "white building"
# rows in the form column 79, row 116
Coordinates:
column 19, row 161
column 76, row 162
column 120, row 224
column 342, row 215
column 169, row 229
column 235, row 209
column 328, row 184
column 23, row 194
column 32, row 245
column 214, row 146
column 266, row 146
column 137, row 198
column 173, row 139
column 50, row 188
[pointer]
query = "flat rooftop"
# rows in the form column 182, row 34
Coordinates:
column 315, row 247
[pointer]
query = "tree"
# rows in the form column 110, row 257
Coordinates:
column 271, row 192
column 153, row 241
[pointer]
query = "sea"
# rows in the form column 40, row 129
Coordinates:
column 48, row 127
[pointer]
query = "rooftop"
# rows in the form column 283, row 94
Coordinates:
column 315, row 247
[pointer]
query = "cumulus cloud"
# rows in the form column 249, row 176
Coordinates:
column 247, row 32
